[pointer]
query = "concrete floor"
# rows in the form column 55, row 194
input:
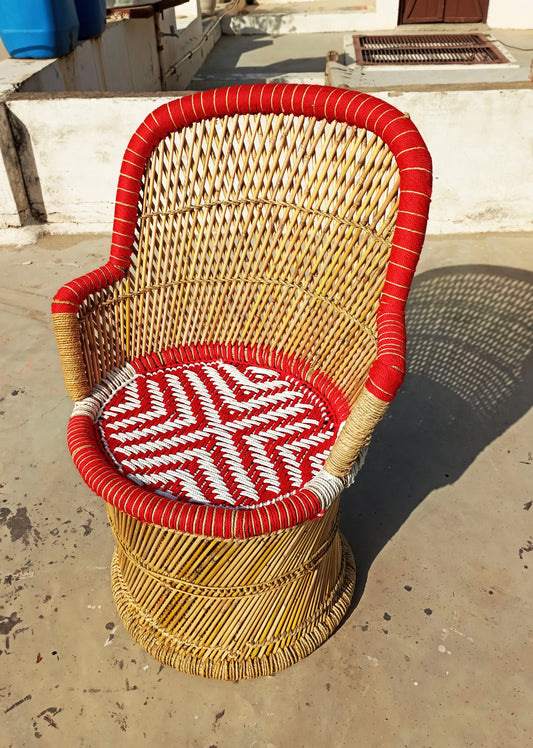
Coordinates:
column 268, row 56
column 435, row 651
column 259, row 58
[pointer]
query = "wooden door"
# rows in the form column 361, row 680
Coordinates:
column 443, row 11
column 422, row 11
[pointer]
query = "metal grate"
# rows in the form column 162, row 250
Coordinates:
column 427, row 49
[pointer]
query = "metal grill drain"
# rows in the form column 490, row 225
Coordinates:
column 427, row 49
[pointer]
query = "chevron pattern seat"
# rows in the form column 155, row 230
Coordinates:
column 211, row 427
column 231, row 360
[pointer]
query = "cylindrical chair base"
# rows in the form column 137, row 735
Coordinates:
column 231, row 608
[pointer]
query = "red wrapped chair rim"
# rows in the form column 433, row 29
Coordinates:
column 354, row 108
column 211, row 520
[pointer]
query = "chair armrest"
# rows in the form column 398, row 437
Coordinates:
column 356, row 433
column 383, row 381
column 65, row 315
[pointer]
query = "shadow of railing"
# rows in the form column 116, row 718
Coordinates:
column 470, row 376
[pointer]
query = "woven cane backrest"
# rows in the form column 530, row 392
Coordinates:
column 261, row 229
column 280, row 215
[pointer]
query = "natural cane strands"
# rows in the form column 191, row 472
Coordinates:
column 233, row 357
column 222, row 621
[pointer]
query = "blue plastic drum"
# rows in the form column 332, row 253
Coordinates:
column 40, row 28
column 92, row 15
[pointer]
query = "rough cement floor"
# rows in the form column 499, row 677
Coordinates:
column 267, row 56
column 436, row 650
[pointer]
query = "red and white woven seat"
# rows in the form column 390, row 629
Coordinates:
column 215, row 427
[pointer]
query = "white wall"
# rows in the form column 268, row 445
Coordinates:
column 8, row 210
column 386, row 15
column 123, row 58
column 181, row 34
column 510, row 14
column 77, row 147
column 516, row 14
column 481, row 143
column 310, row 21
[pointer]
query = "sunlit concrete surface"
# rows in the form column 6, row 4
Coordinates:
column 300, row 57
column 436, row 650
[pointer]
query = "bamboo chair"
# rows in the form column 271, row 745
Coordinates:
column 231, row 360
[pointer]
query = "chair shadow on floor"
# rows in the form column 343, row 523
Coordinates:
column 470, row 376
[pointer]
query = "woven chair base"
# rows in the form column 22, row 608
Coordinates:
column 262, row 604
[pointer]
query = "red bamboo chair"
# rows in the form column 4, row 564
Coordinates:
column 231, row 359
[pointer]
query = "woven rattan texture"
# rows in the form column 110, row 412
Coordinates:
column 242, row 221
column 231, row 609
